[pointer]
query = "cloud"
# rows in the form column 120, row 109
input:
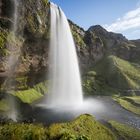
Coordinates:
column 130, row 20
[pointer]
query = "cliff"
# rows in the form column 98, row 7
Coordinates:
column 93, row 46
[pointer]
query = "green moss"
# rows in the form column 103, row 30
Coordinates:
column 84, row 126
column 118, row 73
column 128, row 105
column 78, row 39
column 42, row 87
column 3, row 36
column 45, row 1
column 23, row 132
column 95, row 84
column 125, row 132
column 112, row 75
column 14, row 40
column 21, row 83
column 32, row 94
column 135, row 99
column 28, row 96
column 3, row 39
column 4, row 105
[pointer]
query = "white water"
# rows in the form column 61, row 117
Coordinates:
column 12, row 61
column 65, row 83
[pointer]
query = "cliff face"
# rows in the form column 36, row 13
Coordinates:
column 32, row 39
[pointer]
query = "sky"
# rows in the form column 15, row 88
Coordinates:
column 120, row 16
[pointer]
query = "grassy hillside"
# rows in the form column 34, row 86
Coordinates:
column 83, row 128
column 114, row 73
column 125, row 132
column 130, row 103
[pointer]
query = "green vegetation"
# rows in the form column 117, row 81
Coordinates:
column 128, row 104
column 125, row 132
column 119, row 73
column 45, row 1
column 112, row 74
column 3, row 38
column 96, row 85
column 84, row 127
column 78, row 39
column 42, row 87
column 32, row 94
column 21, row 83
column 134, row 99
column 28, row 96
column 23, row 132
column 4, row 105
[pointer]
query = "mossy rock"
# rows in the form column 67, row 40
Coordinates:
column 31, row 95
column 84, row 127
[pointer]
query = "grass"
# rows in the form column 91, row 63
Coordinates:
column 23, row 132
column 4, row 105
column 84, row 126
column 28, row 96
column 128, row 105
column 125, row 132
column 134, row 99
column 118, row 74
column 112, row 75
column 32, row 94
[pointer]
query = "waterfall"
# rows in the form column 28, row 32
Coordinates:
column 65, row 84
column 12, row 61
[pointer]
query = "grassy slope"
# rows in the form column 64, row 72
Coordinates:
column 127, row 104
column 32, row 94
column 114, row 73
column 22, row 132
column 134, row 100
column 125, row 132
column 82, row 128
column 119, row 73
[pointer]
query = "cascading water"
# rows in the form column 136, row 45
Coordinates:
column 64, row 75
column 12, row 61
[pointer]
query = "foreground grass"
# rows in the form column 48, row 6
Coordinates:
column 128, row 105
column 23, row 132
column 83, row 128
column 125, row 132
